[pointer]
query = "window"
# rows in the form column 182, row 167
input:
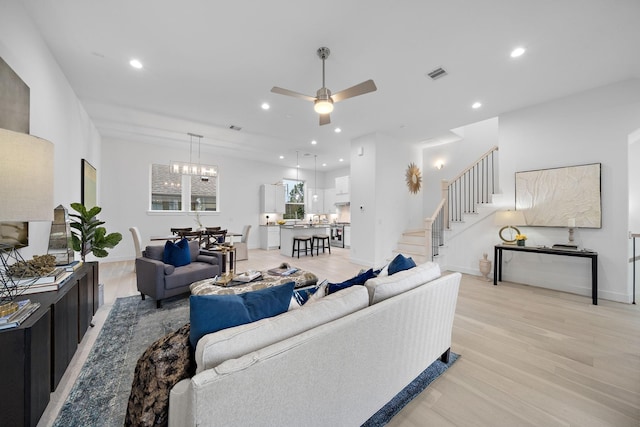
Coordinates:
column 294, row 204
column 173, row 192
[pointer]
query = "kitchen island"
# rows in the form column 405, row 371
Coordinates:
column 288, row 232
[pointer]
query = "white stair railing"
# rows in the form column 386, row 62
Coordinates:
column 461, row 195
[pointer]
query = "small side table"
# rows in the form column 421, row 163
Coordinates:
column 228, row 253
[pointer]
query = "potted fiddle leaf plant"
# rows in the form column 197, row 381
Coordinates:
column 88, row 234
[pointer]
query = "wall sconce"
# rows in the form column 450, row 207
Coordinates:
column 439, row 164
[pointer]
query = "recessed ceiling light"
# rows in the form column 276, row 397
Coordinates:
column 314, row 142
column 517, row 52
column 337, row 130
column 341, row 160
column 281, row 157
column 476, row 105
column 265, row 106
column 324, row 164
column 135, row 63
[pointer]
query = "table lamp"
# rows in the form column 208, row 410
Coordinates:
column 26, row 191
column 509, row 220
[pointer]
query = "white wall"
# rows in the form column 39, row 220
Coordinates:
column 590, row 127
column 477, row 139
column 463, row 251
column 125, row 192
column 634, row 182
column 56, row 113
column 381, row 205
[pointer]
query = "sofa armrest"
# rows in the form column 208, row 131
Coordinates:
column 210, row 257
column 150, row 276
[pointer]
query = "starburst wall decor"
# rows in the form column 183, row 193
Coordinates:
column 413, row 178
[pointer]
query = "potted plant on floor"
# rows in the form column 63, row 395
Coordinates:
column 88, row 235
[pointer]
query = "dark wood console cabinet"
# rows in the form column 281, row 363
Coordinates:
column 35, row 355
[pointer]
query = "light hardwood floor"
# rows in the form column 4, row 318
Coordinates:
column 530, row 356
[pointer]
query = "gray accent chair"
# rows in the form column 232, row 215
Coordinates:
column 159, row 280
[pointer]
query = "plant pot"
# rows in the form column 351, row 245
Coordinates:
column 520, row 242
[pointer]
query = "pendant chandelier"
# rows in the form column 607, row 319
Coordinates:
column 192, row 168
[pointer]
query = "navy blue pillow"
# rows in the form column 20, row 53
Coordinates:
column 358, row 280
column 400, row 263
column 211, row 313
column 177, row 254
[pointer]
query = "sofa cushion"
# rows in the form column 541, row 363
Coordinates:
column 381, row 288
column 194, row 249
column 154, row 252
column 310, row 293
column 177, row 254
column 231, row 343
column 357, row 280
column 400, row 263
column 211, row 313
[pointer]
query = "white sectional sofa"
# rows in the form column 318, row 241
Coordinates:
column 333, row 362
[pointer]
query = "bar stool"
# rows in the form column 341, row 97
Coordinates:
column 317, row 239
column 298, row 240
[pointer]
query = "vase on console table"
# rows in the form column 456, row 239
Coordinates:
column 520, row 242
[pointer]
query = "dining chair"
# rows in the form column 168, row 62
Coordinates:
column 242, row 251
column 137, row 243
column 178, row 230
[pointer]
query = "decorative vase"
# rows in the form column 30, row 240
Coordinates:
column 485, row 267
column 520, row 242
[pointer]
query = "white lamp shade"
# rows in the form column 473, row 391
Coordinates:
column 26, row 177
column 509, row 218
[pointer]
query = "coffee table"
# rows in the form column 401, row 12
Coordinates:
column 209, row 287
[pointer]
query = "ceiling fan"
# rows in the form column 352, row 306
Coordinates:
column 323, row 101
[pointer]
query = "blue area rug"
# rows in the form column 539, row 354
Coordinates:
column 100, row 395
column 406, row 395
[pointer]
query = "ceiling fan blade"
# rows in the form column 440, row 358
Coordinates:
column 359, row 89
column 288, row 92
column 325, row 119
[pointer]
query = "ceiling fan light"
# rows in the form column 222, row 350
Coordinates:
column 323, row 106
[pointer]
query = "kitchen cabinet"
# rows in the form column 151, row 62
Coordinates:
column 347, row 236
column 269, row 237
column 342, row 185
column 272, row 198
column 330, row 200
column 342, row 189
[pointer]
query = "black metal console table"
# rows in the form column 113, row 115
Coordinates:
column 497, row 262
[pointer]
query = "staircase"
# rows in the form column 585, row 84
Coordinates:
column 465, row 200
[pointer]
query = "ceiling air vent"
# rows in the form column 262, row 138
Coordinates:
column 234, row 127
column 437, row 73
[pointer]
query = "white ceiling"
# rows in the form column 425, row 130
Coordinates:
column 211, row 64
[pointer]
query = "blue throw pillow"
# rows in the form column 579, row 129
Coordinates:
column 177, row 254
column 358, row 280
column 211, row 313
column 400, row 263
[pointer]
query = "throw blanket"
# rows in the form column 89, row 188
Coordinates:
column 161, row 366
